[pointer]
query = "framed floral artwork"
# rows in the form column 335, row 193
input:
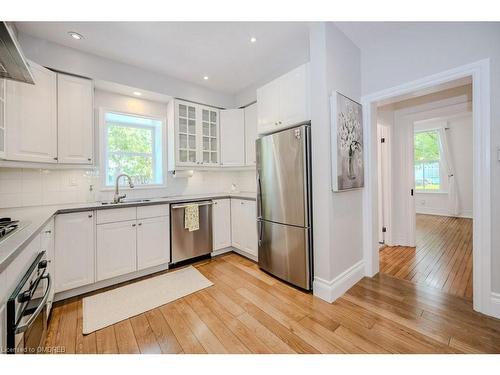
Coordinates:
column 347, row 143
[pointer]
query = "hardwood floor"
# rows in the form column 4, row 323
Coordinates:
column 248, row 311
column 442, row 258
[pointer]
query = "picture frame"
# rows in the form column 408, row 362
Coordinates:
column 346, row 143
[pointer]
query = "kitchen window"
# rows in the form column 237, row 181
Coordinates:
column 427, row 157
column 133, row 145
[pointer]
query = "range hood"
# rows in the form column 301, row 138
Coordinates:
column 13, row 64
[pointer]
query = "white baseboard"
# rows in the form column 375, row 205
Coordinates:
column 222, row 251
column 441, row 212
column 333, row 289
column 495, row 305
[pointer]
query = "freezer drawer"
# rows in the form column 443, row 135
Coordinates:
column 186, row 244
column 285, row 252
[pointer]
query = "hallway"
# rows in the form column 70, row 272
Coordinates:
column 442, row 258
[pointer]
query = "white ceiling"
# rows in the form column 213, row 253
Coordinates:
column 189, row 50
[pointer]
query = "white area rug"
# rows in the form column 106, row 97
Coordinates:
column 113, row 306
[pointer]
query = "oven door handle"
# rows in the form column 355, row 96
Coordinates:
column 41, row 306
column 194, row 204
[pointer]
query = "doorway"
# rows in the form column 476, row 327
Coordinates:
column 481, row 253
column 431, row 149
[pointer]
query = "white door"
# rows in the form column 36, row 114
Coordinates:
column 250, row 225
column 208, row 154
column 250, row 133
column 237, row 224
column 31, row 118
column 221, row 218
column 153, row 242
column 294, row 97
column 268, row 102
column 116, row 249
column 74, row 250
column 187, row 133
column 232, row 129
column 74, row 119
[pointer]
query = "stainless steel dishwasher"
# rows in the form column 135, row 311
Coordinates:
column 185, row 244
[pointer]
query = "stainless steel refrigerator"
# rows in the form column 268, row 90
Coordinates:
column 284, row 205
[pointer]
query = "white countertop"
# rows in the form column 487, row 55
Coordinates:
column 35, row 217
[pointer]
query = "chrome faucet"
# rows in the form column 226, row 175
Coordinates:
column 118, row 197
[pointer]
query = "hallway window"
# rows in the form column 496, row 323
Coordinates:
column 427, row 161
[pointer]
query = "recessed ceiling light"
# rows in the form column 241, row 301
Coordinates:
column 75, row 36
column 253, row 39
column 205, row 78
column 137, row 93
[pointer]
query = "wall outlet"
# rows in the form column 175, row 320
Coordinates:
column 73, row 181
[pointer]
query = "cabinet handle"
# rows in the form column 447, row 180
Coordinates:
column 48, row 231
column 139, row 224
column 133, row 225
column 56, row 158
column 89, row 159
column 90, row 216
column 279, row 122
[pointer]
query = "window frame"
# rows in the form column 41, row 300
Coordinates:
column 159, row 143
column 443, row 181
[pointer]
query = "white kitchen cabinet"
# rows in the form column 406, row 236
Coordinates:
column 116, row 253
column 74, row 119
column 250, row 224
column 153, row 242
column 250, row 134
column 232, row 140
column 31, row 118
column 193, row 135
column 285, row 101
column 221, row 223
column 244, row 226
column 237, row 223
column 47, row 244
column 2, row 118
column 74, row 250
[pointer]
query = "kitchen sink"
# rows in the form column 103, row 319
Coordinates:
column 126, row 201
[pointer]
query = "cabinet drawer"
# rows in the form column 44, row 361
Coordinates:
column 144, row 212
column 116, row 214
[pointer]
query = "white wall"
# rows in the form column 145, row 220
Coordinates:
column 460, row 144
column 337, row 217
column 76, row 62
column 422, row 49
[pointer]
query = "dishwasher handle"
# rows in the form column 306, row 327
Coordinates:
column 207, row 203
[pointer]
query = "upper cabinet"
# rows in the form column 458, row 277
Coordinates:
column 31, row 118
column 285, row 101
column 50, row 121
column 193, row 135
column 232, row 129
column 74, row 119
column 250, row 134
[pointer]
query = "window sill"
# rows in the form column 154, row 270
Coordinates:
column 430, row 192
column 141, row 187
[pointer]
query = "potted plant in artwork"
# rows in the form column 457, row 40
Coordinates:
column 349, row 133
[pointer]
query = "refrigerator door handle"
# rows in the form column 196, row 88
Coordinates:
column 259, row 197
column 261, row 231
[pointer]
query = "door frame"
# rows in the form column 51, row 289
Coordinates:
column 480, row 73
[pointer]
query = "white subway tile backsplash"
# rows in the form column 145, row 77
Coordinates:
column 30, row 187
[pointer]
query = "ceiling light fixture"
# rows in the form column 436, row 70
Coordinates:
column 205, row 78
column 75, row 36
column 253, row 39
column 137, row 93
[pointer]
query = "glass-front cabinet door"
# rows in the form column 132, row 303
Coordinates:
column 187, row 133
column 210, row 136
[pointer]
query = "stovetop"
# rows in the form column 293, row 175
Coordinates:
column 8, row 226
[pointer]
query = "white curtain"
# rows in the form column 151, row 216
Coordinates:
column 447, row 162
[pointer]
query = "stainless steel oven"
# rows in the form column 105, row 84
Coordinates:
column 26, row 310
